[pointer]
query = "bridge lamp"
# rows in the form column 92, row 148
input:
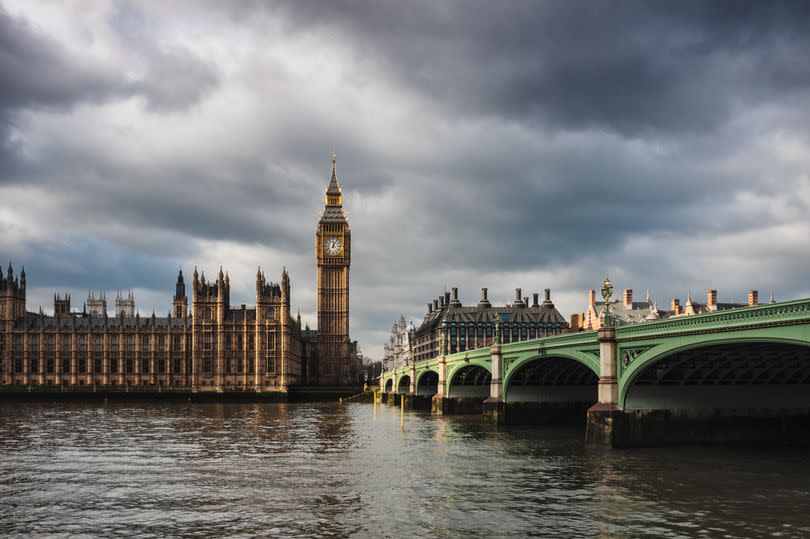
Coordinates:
column 443, row 341
column 607, row 292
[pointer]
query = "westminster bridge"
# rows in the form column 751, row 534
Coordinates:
column 741, row 374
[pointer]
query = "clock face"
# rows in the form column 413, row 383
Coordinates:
column 333, row 246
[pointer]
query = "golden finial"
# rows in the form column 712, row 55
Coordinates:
column 334, row 156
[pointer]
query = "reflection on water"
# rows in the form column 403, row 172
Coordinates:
column 328, row 470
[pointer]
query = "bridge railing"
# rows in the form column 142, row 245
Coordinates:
column 545, row 343
column 775, row 313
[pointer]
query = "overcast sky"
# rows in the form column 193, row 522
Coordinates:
column 499, row 144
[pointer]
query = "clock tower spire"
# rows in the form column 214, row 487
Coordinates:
column 333, row 256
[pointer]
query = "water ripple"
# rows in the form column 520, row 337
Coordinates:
column 324, row 470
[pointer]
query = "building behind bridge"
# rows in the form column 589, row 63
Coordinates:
column 626, row 311
column 462, row 328
column 398, row 351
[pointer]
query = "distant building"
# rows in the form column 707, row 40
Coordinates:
column 626, row 311
column 125, row 305
column 96, row 306
column 398, row 351
column 462, row 328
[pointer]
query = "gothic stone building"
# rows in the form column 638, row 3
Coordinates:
column 398, row 351
column 466, row 328
column 208, row 345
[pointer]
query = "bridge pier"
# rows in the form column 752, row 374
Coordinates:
column 605, row 417
column 438, row 405
column 494, row 408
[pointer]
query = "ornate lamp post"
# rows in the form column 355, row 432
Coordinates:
column 443, row 341
column 607, row 292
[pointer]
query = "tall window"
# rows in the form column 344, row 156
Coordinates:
column 49, row 343
column 82, row 343
column 130, row 339
column 97, row 343
column 35, row 343
column 145, row 344
column 176, row 343
column 114, row 343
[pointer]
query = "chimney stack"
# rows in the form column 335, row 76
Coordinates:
column 676, row 306
column 547, row 299
column 711, row 302
column 591, row 297
column 441, row 302
column 435, row 304
column 753, row 298
column 518, row 299
column 484, row 299
column 455, row 302
column 447, row 298
column 430, row 308
column 536, row 299
column 628, row 297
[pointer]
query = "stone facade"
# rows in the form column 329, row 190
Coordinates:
column 449, row 327
column 398, row 351
column 208, row 345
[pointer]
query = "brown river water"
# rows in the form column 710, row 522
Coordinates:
column 326, row 470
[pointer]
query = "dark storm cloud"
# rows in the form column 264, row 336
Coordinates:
column 633, row 67
column 38, row 72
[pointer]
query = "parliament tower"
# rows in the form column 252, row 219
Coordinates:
column 333, row 255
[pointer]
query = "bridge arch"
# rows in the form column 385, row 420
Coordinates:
column 471, row 380
column 389, row 385
column 722, row 373
column 559, row 377
column 404, row 384
column 519, row 367
column 427, row 383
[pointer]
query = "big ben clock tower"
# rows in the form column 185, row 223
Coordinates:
column 333, row 254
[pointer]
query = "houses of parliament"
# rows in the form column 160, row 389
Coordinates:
column 205, row 345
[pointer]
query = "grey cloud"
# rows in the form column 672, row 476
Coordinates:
column 633, row 67
column 175, row 78
column 38, row 72
column 548, row 144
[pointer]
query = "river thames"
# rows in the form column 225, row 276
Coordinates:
column 325, row 470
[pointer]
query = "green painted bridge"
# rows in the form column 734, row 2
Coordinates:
column 643, row 382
